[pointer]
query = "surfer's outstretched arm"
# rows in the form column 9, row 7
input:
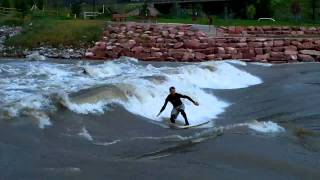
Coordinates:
column 189, row 98
column 163, row 107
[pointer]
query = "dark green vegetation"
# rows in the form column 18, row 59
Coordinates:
column 58, row 32
column 53, row 23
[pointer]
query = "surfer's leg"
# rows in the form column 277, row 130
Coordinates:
column 184, row 116
column 173, row 118
column 174, row 115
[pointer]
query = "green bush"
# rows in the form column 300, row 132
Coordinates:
column 5, row 3
column 251, row 11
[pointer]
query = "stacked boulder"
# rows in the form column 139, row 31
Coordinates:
column 270, row 31
column 153, row 42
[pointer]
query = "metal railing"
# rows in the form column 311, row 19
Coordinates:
column 91, row 14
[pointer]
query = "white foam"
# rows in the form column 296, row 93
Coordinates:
column 238, row 62
column 85, row 134
column 43, row 119
column 145, row 96
column 85, row 108
column 108, row 143
column 266, row 127
column 35, row 57
column 262, row 64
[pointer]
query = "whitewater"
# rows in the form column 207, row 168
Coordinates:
column 34, row 88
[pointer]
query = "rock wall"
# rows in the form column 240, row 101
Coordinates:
column 183, row 43
column 270, row 31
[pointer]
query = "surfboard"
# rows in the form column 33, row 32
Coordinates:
column 178, row 126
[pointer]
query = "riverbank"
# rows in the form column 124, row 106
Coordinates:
column 185, row 43
column 72, row 39
column 51, row 37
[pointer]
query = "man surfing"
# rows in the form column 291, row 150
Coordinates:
column 178, row 107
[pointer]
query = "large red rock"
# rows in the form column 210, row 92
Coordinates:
column 200, row 56
column 237, row 56
column 268, row 44
column 262, row 57
column 137, row 49
column 101, row 45
column 258, row 51
column 241, row 45
column 306, row 45
column 248, row 55
column 292, row 57
column 290, row 52
column 291, row 48
column 154, row 49
column 192, row 44
column 188, row 56
column 255, row 44
column 278, row 55
column 220, row 50
column 156, row 54
column 177, row 53
column 200, row 34
column 278, row 49
column 211, row 57
column 305, row 58
column 129, row 44
column 278, row 43
column 310, row 52
column 231, row 50
column 178, row 45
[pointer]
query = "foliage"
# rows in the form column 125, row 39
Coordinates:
column 76, row 8
column 22, row 6
column 264, row 8
column 144, row 10
column 251, row 11
column 295, row 8
column 56, row 32
column 5, row 3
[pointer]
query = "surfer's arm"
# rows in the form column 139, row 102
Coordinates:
column 190, row 99
column 163, row 107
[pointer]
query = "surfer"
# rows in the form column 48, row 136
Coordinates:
column 178, row 107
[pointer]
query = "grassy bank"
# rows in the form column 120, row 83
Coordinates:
column 57, row 32
column 236, row 22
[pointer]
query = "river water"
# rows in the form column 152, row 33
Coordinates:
column 97, row 120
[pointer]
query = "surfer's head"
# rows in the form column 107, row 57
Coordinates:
column 172, row 90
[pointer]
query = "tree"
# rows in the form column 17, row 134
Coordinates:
column 144, row 10
column 76, row 8
column 22, row 6
column 264, row 8
column 5, row 3
column 251, row 11
column 295, row 9
column 40, row 4
column 314, row 6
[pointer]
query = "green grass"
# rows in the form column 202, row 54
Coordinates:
column 234, row 22
column 11, row 20
column 58, row 32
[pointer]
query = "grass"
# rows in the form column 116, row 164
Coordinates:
column 58, row 32
column 235, row 22
column 42, row 30
column 11, row 20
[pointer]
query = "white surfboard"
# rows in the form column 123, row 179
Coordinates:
column 178, row 126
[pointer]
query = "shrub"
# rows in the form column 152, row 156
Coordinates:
column 251, row 11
